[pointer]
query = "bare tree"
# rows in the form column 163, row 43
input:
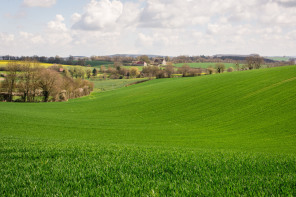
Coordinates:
column 102, row 69
column 220, row 67
column 210, row 70
column 11, row 79
column 254, row 62
column 25, row 80
column 49, row 81
column 150, row 71
column 169, row 70
column 117, row 65
column 184, row 70
column 237, row 67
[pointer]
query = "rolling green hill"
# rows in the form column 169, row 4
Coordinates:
column 223, row 134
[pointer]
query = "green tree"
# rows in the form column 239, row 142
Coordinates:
column 144, row 58
column 88, row 73
column 95, row 72
column 81, row 62
column 134, row 72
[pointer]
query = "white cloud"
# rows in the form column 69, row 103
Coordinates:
column 6, row 38
column 57, row 24
column 39, row 3
column 75, row 18
column 130, row 15
column 174, row 14
column 57, row 33
column 99, row 15
column 286, row 3
column 166, row 27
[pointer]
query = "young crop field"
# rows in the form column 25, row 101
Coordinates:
column 140, row 68
column 226, row 134
column 278, row 58
column 113, row 84
column 204, row 65
column 99, row 63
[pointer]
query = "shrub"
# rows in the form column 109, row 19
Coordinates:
column 230, row 69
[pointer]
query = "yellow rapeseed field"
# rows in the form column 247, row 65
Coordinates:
column 46, row 65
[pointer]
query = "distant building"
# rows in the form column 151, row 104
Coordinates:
column 293, row 60
column 139, row 63
column 1, row 58
column 159, row 61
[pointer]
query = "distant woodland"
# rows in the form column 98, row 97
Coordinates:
column 29, row 82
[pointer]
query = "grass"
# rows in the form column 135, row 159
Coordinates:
column 59, row 168
column 218, row 135
column 140, row 68
column 113, row 84
column 99, row 63
column 204, row 65
column 279, row 58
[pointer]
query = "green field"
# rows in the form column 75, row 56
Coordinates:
column 278, row 58
column 113, row 84
column 140, row 68
column 217, row 135
column 99, row 63
column 204, row 65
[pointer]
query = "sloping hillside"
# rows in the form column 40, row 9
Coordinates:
column 229, row 134
column 249, row 111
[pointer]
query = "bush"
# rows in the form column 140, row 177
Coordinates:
column 3, row 69
column 230, row 69
column 210, row 70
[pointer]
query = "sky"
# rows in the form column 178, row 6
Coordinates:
column 159, row 27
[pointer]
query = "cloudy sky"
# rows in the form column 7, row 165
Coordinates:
column 164, row 27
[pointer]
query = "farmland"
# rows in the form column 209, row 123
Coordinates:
column 140, row 68
column 225, row 134
column 204, row 65
column 279, row 58
column 112, row 84
column 99, row 63
column 3, row 63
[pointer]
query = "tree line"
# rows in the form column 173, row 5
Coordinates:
column 32, row 83
column 84, row 61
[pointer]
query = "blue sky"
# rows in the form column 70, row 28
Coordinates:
column 164, row 27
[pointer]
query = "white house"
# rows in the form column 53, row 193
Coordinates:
column 159, row 61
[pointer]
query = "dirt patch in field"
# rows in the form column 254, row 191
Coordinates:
column 269, row 87
column 136, row 82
